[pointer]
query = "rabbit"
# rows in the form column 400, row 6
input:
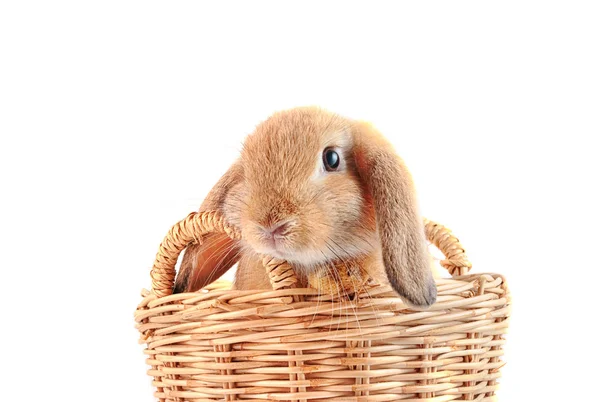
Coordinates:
column 312, row 187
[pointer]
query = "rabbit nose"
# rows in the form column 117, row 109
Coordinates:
column 278, row 229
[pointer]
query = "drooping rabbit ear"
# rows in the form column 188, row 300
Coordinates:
column 400, row 226
column 206, row 262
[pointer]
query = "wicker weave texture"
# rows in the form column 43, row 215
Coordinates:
column 292, row 344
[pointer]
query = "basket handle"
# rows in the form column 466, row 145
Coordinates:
column 456, row 261
column 185, row 232
column 197, row 224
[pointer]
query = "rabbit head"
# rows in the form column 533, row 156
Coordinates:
column 311, row 187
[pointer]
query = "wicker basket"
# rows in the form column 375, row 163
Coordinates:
column 292, row 344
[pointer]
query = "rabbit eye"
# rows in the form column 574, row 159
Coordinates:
column 331, row 159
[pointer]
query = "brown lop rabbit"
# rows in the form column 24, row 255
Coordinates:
column 312, row 187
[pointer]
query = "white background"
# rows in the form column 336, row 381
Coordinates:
column 117, row 117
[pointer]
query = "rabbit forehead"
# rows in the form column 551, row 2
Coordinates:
column 289, row 143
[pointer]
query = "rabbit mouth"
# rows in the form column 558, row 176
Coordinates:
column 284, row 241
column 275, row 246
column 279, row 247
column 302, row 258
